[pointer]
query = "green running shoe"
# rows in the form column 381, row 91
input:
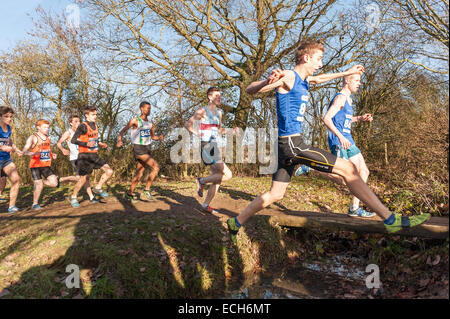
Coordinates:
column 233, row 229
column 406, row 221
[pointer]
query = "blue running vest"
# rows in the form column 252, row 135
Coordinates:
column 343, row 122
column 291, row 107
column 5, row 139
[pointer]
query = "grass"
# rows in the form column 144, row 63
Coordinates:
column 167, row 252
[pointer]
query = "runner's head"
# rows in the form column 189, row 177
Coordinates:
column 352, row 82
column 43, row 126
column 90, row 113
column 309, row 54
column 74, row 121
column 6, row 114
column 213, row 94
column 145, row 108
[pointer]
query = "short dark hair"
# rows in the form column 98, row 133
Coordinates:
column 89, row 108
column 143, row 103
column 212, row 89
column 5, row 109
column 72, row 117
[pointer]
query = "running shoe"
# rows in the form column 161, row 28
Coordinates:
column 36, row 207
column 406, row 221
column 200, row 187
column 131, row 196
column 208, row 209
column 360, row 213
column 147, row 195
column 100, row 192
column 94, row 200
column 302, row 169
column 74, row 202
column 13, row 209
column 232, row 229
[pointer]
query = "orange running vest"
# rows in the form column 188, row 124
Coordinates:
column 91, row 135
column 44, row 158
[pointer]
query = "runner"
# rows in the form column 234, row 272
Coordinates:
column 72, row 152
column 86, row 137
column 339, row 119
column 291, row 98
column 41, row 161
column 210, row 118
column 7, row 166
column 142, row 134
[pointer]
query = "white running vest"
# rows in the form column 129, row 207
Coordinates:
column 209, row 127
column 73, row 148
column 142, row 134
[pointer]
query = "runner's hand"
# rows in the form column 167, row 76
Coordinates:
column 161, row 137
column 356, row 69
column 65, row 152
column 275, row 76
column 54, row 156
column 119, row 143
column 103, row 145
column 367, row 117
column 345, row 143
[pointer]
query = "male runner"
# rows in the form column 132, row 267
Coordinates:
column 210, row 118
column 72, row 152
column 41, row 161
column 142, row 134
column 86, row 137
column 339, row 119
column 291, row 98
column 7, row 166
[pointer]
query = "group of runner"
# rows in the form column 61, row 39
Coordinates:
column 344, row 164
column 83, row 143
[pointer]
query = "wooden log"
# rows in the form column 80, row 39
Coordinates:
column 436, row 227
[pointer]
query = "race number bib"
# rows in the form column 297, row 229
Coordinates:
column 95, row 147
column 44, row 156
column 145, row 133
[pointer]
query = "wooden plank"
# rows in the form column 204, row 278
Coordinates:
column 436, row 227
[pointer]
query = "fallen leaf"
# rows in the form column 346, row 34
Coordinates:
column 436, row 260
column 52, row 242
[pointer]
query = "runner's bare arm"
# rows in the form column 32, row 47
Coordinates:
column 282, row 79
column 363, row 118
column 154, row 137
column 132, row 123
column 63, row 138
column 198, row 115
column 31, row 141
column 317, row 79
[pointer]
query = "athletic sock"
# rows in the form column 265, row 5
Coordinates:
column 236, row 222
column 390, row 220
column 201, row 181
column 353, row 208
column 205, row 205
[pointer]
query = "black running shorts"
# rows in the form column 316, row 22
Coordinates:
column 38, row 172
column 293, row 151
column 141, row 150
column 87, row 162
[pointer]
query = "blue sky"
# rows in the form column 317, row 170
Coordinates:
column 15, row 18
